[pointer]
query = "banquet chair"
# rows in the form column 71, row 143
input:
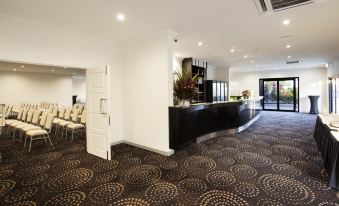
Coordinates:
column 76, row 127
column 20, row 125
column 73, row 117
column 41, row 133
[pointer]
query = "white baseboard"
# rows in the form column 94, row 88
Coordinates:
column 166, row 153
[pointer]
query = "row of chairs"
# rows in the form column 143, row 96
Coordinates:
column 70, row 119
column 47, row 105
column 38, row 124
column 32, row 124
column 25, row 106
column 81, row 107
column 7, row 111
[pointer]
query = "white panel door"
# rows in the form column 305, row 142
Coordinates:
column 98, row 112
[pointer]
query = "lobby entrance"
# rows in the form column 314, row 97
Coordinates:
column 280, row 94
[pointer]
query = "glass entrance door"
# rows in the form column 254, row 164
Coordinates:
column 270, row 95
column 280, row 94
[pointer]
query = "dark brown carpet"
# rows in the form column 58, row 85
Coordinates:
column 274, row 162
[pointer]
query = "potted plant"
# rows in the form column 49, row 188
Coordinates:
column 185, row 88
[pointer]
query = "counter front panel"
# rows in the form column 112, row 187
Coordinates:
column 188, row 124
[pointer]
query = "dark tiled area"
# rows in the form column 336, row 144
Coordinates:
column 274, row 162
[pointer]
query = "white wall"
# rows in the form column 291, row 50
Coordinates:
column 79, row 88
column 313, row 81
column 22, row 40
column 333, row 69
column 147, row 77
column 217, row 73
column 18, row 87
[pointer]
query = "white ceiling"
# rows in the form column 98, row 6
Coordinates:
column 219, row 24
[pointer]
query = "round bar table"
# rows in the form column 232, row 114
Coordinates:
column 314, row 104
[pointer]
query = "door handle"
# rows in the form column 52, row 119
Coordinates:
column 101, row 111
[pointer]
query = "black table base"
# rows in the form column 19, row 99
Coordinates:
column 314, row 104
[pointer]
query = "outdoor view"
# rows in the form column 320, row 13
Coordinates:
column 285, row 99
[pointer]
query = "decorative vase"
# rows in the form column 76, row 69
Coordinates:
column 184, row 103
column 187, row 103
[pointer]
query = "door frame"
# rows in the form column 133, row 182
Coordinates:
column 296, row 93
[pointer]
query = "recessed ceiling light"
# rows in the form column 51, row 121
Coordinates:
column 245, row 56
column 252, row 61
column 232, row 50
column 121, row 17
column 52, row 70
column 286, row 22
column 200, row 43
column 14, row 70
column 288, row 46
column 326, row 65
column 22, row 66
column 289, row 57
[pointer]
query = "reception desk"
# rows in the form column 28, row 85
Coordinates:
column 209, row 120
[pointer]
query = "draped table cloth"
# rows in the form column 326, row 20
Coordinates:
column 328, row 144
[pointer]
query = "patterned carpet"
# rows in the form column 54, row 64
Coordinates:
column 274, row 162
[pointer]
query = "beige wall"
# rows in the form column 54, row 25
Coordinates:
column 18, row 87
column 79, row 88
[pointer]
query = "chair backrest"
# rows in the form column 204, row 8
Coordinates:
column 75, row 115
column 62, row 112
column 9, row 110
column 83, row 117
column 36, row 116
column 6, row 108
column 81, row 108
column 50, row 110
column 43, row 119
column 30, row 115
column 55, row 111
column 24, row 115
column 49, row 122
column 20, row 114
column 75, row 106
column 68, row 112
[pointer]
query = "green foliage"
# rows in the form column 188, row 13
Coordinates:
column 185, row 86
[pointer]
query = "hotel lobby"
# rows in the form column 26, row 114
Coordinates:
column 155, row 102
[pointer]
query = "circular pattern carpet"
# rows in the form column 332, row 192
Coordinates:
column 275, row 162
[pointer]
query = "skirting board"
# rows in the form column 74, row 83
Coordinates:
column 227, row 132
column 169, row 153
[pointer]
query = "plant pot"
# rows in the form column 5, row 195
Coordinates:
column 184, row 103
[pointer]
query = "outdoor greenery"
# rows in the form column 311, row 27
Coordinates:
column 270, row 91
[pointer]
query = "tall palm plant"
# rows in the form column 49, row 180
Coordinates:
column 185, row 86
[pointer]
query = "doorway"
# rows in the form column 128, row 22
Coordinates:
column 280, row 94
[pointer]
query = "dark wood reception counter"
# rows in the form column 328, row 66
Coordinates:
column 208, row 120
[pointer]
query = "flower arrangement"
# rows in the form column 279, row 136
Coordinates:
column 246, row 93
column 185, row 87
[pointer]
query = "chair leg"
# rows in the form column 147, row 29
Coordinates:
column 72, row 134
column 25, row 141
column 30, row 144
column 45, row 140
column 50, row 141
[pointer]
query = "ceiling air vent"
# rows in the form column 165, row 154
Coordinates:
column 270, row 6
column 294, row 62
